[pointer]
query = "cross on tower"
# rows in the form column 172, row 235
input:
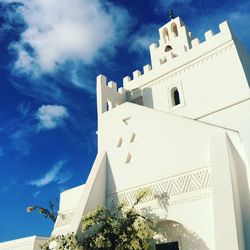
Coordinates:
column 171, row 14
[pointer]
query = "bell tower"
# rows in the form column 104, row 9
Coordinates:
column 175, row 39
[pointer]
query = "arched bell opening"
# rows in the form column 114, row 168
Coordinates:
column 174, row 29
column 165, row 35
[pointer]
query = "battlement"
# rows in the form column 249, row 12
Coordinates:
column 166, row 51
column 183, row 41
column 223, row 27
column 102, row 80
column 209, row 35
column 137, row 74
column 108, row 96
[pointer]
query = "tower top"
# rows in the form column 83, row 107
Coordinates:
column 175, row 39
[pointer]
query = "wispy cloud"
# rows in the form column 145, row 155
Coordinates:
column 30, row 123
column 19, row 129
column 19, row 140
column 144, row 37
column 51, row 116
column 54, row 175
column 24, row 109
column 9, row 19
column 11, row 183
column 36, row 194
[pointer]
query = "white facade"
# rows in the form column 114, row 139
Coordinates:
column 29, row 243
column 180, row 129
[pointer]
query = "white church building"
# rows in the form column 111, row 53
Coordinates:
column 180, row 128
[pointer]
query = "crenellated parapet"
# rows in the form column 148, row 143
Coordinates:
column 179, row 41
column 176, row 47
column 225, row 32
column 108, row 96
column 137, row 73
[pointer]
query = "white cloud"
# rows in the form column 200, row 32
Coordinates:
column 51, row 116
column 29, row 123
column 58, row 31
column 147, row 35
column 53, row 175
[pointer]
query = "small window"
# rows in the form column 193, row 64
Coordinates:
column 175, row 96
column 168, row 48
column 174, row 29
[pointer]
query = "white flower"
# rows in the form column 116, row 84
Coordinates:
column 53, row 245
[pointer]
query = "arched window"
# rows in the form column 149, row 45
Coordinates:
column 165, row 35
column 174, row 29
column 175, row 96
column 168, row 48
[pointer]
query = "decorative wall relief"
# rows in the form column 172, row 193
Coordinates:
column 175, row 186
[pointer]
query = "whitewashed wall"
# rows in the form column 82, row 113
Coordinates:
column 29, row 243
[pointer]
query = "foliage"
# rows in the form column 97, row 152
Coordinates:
column 48, row 213
column 123, row 228
column 62, row 242
column 107, row 229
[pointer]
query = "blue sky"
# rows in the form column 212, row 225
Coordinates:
column 51, row 52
